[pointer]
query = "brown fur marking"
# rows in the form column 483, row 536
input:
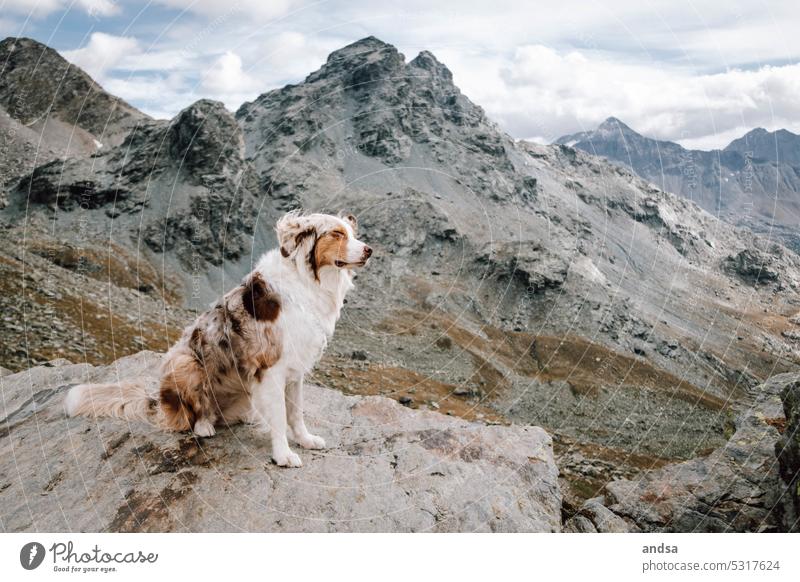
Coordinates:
column 329, row 248
column 259, row 300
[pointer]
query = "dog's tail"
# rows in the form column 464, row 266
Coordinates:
column 129, row 400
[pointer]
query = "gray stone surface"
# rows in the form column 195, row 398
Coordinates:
column 388, row 468
column 594, row 517
column 788, row 451
column 737, row 488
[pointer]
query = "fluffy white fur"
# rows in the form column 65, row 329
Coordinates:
column 309, row 312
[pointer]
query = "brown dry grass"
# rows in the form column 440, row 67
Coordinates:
column 395, row 382
column 580, row 487
column 112, row 264
column 92, row 330
column 586, row 365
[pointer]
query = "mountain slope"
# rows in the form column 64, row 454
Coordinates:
column 50, row 109
column 510, row 281
column 37, row 84
column 753, row 182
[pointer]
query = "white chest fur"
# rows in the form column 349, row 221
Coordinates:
column 305, row 330
column 309, row 309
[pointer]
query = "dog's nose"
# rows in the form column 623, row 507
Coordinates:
column 367, row 252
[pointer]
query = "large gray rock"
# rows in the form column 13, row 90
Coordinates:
column 388, row 468
column 737, row 488
column 752, row 266
column 594, row 517
column 788, row 451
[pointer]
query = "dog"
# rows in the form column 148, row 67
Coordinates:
column 244, row 359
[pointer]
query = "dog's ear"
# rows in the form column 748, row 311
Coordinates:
column 350, row 218
column 292, row 229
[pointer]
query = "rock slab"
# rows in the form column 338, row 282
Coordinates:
column 737, row 488
column 387, row 468
column 788, row 451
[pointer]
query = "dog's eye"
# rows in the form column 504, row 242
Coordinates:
column 337, row 234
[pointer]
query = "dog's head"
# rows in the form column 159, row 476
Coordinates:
column 322, row 240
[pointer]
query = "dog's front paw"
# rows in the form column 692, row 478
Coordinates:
column 310, row 441
column 204, row 428
column 287, row 459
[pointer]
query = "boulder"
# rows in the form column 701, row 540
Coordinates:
column 594, row 517
column 387, row 468
column 737, row 488
column 753, row 266
column 788, row 451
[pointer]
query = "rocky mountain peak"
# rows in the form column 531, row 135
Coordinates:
column 21, row 51
column 613, row 126
column 360, row 63
column 427, row 61
column 205, row 135
column 393, row 107
column 610, row 131
column 773, row 146
column 737, row 183
column 611, row 122
column 17, row 49
column 37, row 83
column 758, row 131
column 364, row 46
column 741, row 144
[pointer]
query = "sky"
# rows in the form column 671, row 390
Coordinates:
column 699, row 73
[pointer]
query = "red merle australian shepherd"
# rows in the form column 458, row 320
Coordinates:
column 244, row 359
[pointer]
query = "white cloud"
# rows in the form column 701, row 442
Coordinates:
column 158, row 81
column 543, row 92
column 226, row 74
column 41, row 8
column 261, row 10
column 227, row 81
column 174, row 92
column 102, row 53
column 156, row 60
column 99, row 7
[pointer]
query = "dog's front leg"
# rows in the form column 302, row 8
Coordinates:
column 268, row 399
column 294, row 408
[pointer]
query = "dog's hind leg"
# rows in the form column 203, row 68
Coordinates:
column 270, row 405
column 294, row 413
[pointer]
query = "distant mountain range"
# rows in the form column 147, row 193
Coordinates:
column 753, row 182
